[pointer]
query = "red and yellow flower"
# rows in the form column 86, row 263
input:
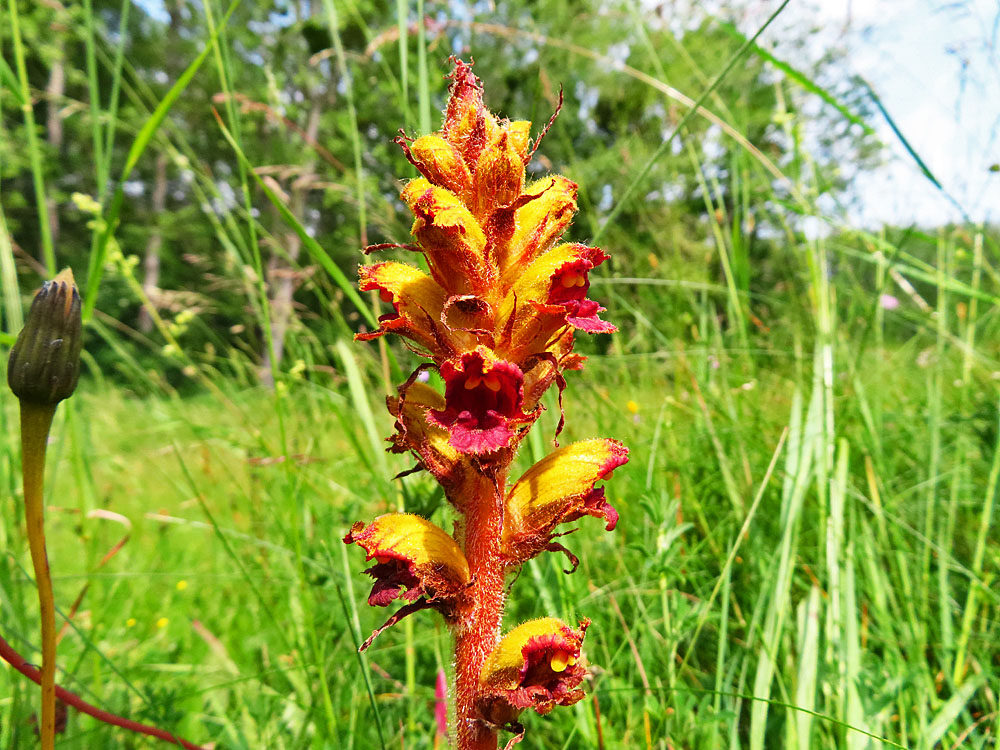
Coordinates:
column 495, row 316
column 559, row 489
column 536, row 665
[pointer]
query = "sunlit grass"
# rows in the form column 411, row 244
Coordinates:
column 846, row 599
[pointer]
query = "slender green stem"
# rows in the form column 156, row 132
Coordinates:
column 422, row 76
column 95, row 97
column 34, row 150
column 403, row 22
column 35, row 423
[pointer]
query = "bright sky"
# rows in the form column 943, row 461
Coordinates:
column 936, row 67
column 935, row 64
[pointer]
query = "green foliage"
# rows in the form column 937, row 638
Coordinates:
column 807, row 555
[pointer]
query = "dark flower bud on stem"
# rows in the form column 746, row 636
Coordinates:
column 43, row 369
column 44, row 364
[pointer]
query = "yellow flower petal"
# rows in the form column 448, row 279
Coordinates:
column 417, row 301
column 450, row 236
column 430, row 549
column 539, row 223
column 558, row 489
column 441, row 163
column 533, row 283
column 520, row 136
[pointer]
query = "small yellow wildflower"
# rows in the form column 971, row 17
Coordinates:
column 181, row 585
column 632, row 406
column 162, row 622
column 130, row 622
column 86, row 203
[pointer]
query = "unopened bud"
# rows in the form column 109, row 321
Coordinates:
column 44, row 364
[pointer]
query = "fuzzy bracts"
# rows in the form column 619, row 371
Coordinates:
column 495, row 317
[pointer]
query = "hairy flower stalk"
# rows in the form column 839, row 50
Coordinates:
column 496, row 317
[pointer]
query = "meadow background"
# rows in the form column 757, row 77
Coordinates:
column 808, row 551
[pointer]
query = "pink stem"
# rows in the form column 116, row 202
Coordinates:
column 8, row 654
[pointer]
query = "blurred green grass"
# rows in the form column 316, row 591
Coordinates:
column 225, row 602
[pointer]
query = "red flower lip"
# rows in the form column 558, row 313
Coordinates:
column 583, row 316
column 390, row 576
column 570, row 280
column 483, row 402
column 568, row 287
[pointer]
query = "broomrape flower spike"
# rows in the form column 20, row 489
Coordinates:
column 496, row 317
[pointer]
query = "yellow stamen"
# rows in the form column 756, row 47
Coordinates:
column 572, row 660
column 472, row 382
column 581, row 280
column 569, row 280
column 492, row 382
column 559, row 661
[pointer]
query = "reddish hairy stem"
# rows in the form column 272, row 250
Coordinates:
column 480, row 627
column 9, row 655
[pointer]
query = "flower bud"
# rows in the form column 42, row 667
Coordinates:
column 499, row 176
column 44, row 364
column 441, row 162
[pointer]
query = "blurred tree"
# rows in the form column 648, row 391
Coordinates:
column 626, row 70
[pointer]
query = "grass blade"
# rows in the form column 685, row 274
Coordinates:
column 34, row 149
column 315, row 250
column 95, row 270
column 800, row 78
